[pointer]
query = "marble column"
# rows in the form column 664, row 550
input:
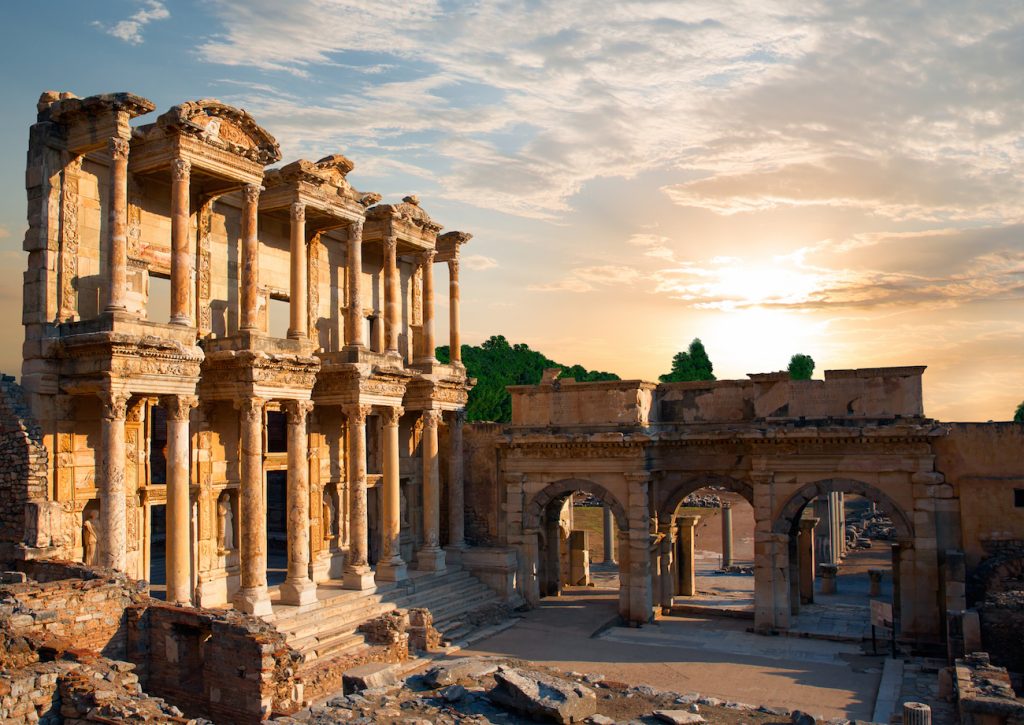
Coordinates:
column 456, row 484
column 252, row 596
column 358, row 574
column 117, row 227
column 181, row 252
column 354, row 323
column 178, row 555
column 684, row 551
column 454, row 335
column 805, row 555
column 431, row 556
column 609, row 535
column 392, row 294
column 391, row 566
column 113, row 548
column 428, row 307
column 298, row 588
column 250, row 258
column 298, row 299
column 726, row 535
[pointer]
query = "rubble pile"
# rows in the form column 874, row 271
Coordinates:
column 703, row 500
column 862, row 529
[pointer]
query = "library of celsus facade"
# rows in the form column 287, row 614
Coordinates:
column 253, row 454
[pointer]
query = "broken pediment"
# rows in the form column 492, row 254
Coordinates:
column 222, row 126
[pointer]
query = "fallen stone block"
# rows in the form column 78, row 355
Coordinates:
column 600, row 720
column 678, row 717
column 369, row 676
column 453, row 693
column 465, row 668
column 538, row 695
column 799, row 717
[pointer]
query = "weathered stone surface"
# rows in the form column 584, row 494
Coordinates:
column 799, row 717
column 466, row 668
column 678, row 717
column 544, row 696
column 369, row 676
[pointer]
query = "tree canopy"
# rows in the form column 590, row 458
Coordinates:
column 496, row 364
column 1018, row 417
column 801, row 367
column 691, row 364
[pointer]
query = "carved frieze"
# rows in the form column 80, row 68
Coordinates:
column 314, row 251
column 69, row 241
column 203, row 269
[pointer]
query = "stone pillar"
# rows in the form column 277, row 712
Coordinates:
column 178, row 543
column 354, row 324
column 551, row 584
column 726, row 535
column 358, row 574
column 252, row 596
column 117, row 226
column 609, row 535
column 805, row 556
column 250, row 260
column 666, row 580
column 431, row 556
column 684, row 554
column 298, row 588
column 917, row 713
column 875, row 579
column 392, row 294
column 298, row 300
column 391, row 566
column 828, row 578
column 456, row 491
column 113, row 547
column 181, row 250
column 428, row 308
column 454, row 333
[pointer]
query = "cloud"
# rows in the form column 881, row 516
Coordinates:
column 588, row 279
column 479, row 262
column 654, row 245
column 130, row 30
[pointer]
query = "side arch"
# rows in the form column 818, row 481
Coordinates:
column 784, row 522
column 558, row 489
column 690, row 485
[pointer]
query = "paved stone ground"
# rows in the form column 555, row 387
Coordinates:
column 921, row 684
column 711, row 655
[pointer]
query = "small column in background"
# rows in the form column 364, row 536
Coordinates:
column 685, row 526
column 727, row 559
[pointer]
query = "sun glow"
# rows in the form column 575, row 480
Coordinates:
column 762, row 340
column 739, row 286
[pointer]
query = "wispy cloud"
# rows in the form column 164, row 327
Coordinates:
column 130, row 29
column 588, row 279
column 479, row 262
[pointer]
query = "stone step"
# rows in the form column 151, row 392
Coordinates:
column 342, row 621
column 441, row 596
column 333, row 646
column 451, row 605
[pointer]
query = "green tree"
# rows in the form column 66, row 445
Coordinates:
column 801, row 367
column 496, row 363
column 1018, row 417
column 692, row 364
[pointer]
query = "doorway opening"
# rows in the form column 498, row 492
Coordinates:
column 277, row 527
column 158, row 551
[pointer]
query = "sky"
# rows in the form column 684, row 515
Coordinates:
column 843, row 180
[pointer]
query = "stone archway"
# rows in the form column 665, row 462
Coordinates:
column 690, row 485
column 789, row 513
column 532, row 515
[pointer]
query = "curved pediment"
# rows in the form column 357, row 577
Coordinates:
column 224, row 126
column 408, row 211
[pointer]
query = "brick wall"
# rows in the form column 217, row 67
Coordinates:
column 482, row 492
column 23, row 471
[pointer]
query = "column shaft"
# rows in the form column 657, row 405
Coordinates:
column 181, row 257
column 252, row 596
column 250, row 258
column 357, row 571
column 805, row 557
column 297, row 292
column 392, row 295
column 113, row 505
column 428, row 308
column 456, row 487
column 684, row 547
column 178, row 556
column 298, row 588
column 609, row 535
column 454, row 335
column 354, row 326
column 726, row 536
column 391, row 566
column 117, row 224
column 431, row 556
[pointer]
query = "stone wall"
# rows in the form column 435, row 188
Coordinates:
column 482, row 492
column 1002, row 629
column 984, row 693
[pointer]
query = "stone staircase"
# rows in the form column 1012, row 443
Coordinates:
column 328, row 628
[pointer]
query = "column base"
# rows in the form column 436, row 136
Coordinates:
column 453, row 553
column 254, row 600
column 430, row 559
column 359, row 578
column 394, row 571
column 298, row 593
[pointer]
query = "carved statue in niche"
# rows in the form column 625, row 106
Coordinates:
column 225, row 523
column 89, row 537
column 328, row 516
column 403, row 508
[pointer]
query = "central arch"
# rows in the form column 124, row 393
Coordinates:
column 787, row 517
column 559, row 489
column 695, row 483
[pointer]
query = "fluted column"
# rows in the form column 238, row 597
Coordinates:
column 358, row 574
column 298, row 588
column 297, row 292
column 392, row 294
column 428, row 307
column 391, row 566
column 354, row 326
column 178, row 542
column 456, row 489
column 431, row 556
column 252, row 596
column 454, row 334
column 181, row 251
column 250, row 258
column 117, row 225
column 113, row 547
